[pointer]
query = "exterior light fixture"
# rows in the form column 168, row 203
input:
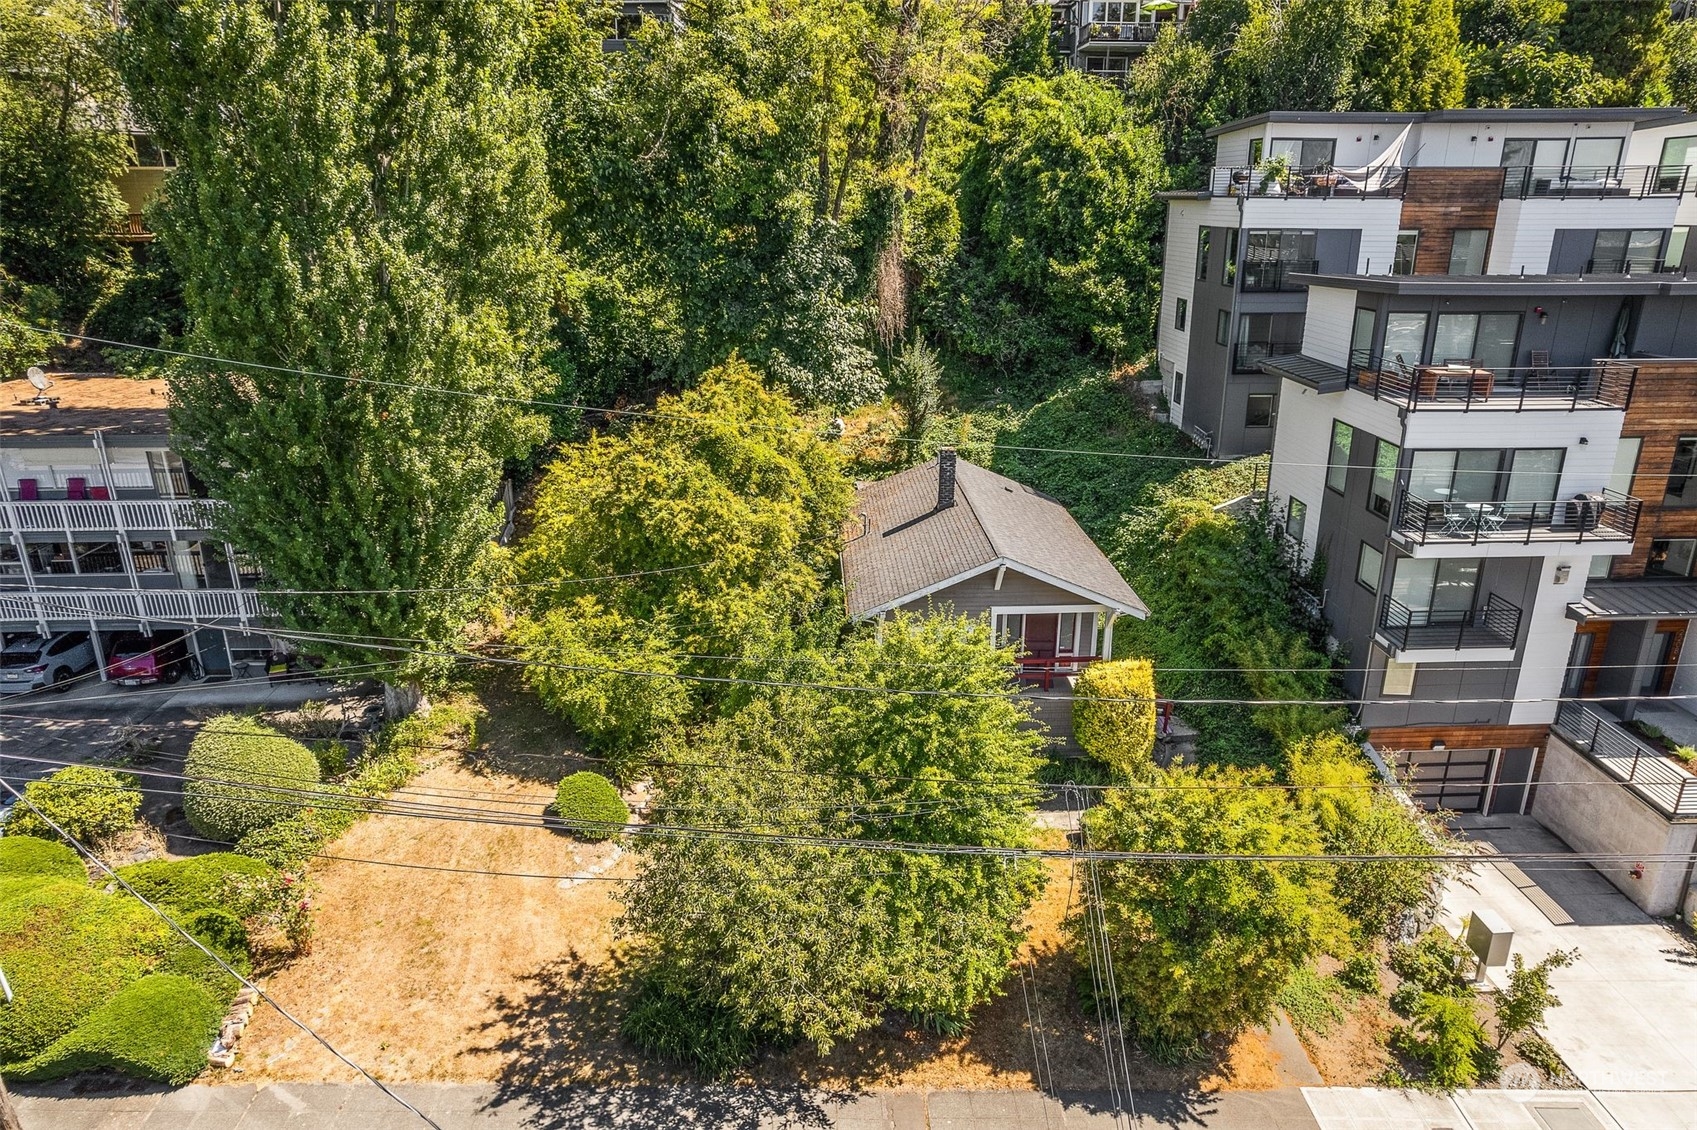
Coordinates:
column 1438, row 745
column 1543, row 314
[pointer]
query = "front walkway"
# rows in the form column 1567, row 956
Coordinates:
column 1629, row 1004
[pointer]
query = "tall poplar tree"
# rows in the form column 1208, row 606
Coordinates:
column 363, row 192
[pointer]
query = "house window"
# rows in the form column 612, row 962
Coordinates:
column 1368, row 568
column 97, row 557
column 49, row 557
column 170, row 479
column 1407, row 242
column 1677, row 155
column 1256, row 149
column 1222, row 327
column 1259, row 412
column 151, row 556
column 1626, row 464
column 1260, row 336
column 1488, row 474
column 1296, row 516
column 1178, row 386
column 1682, row 478
column 1202, row 242
column 1467, row 251
column 11, row 561
column 1620, row 251
column 1674, row 257
column 1308, row 153
column 1671, row 557
column 1270, row 256
column 1435, row 590
column 1181, row 310
column 1486, row 338
column 1405, row 337
column 1337, row 463
column 1595, row 157
column 1361, row 338
column 1546, row 153
column 1229, row 275
column 1385, row 456
column 1399, row 677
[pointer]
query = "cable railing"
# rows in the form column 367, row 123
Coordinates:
column 1495, row 624
column 1627, row 758
column 1588, row 182
column 1311, row 181
column 1630, row 265
column 1603, row 515
column 1466, row 385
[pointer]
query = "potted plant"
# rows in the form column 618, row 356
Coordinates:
column 1275, row 170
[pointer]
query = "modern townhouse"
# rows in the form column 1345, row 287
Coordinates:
column 1450, row 194
column 1103, row 37
column 107, row 533
column 1483, row 423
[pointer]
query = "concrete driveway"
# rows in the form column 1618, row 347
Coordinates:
column 1629, row 1004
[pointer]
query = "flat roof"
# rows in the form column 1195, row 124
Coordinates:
column 1624, row 114
column 1461, row 286
column 86, row 402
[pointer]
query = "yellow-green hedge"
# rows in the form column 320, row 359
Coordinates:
column 1113, row 715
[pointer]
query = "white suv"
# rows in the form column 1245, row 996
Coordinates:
column 30, row 663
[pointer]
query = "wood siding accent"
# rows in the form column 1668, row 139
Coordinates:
column 1437, row 201
column 1663, row 408
column 1594, row 663
column 1458, row 737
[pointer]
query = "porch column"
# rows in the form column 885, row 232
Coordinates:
column 1108, row 636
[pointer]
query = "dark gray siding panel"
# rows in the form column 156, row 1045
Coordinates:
column 1571, row 249
column 1338, row 250
column 977, row 595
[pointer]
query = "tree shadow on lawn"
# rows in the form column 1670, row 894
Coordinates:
column 516, row 737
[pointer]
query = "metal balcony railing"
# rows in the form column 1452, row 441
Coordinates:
column 1602, row 384
column 1274, row 274
column 1495, row 625
column 1248, row 355
column 1120, row 32
column 1603, row 515
column 1630, row 265
column 1629, row 759
column 1313, row 182
column 1524, row 182
column 111, row 516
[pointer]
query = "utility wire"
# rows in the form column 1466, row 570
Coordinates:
column 113, row 875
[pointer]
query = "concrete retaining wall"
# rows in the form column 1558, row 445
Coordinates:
column 1593, row 812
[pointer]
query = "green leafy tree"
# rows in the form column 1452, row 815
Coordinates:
column 1626, row 41
column 61, row 106
column 1682, row 63
column 1514, row 58
column 1449, row 1037
column 1521, row 1005
column 1413, row 59
column 916, row 385
column 1170, row 89
column 1206, row 945
column 363, row 192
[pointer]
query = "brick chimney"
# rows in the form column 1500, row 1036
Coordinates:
column 945, row 478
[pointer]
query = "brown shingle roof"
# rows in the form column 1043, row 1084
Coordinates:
column 910, row 546
column 122, row 405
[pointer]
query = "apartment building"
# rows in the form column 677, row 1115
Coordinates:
column 1451, row 194
column 1103, row 37
column 1481, row 402
column 108, row 532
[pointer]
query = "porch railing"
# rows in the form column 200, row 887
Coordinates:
column 111, row 515
column 1627, row 758
column 1274, row 274
column 1604, row 383
column 1311, row 182
column 1495, row 624
column 1603, row 515
column 208, row 606
column 1589, row 182
column 1043, row 671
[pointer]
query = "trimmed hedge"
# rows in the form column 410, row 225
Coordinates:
column 158, row 1028
column 90, row 803
column 26, row 857
column 589, row 806
column 204, row 882
column 1119, row 734
column 244, row 750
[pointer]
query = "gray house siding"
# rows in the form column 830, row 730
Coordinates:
column 975, row 596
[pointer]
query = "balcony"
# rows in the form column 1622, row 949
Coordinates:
column 1622, row 755
column 1260, row 275
column 1494, row 626
column 1603, row 515
column 1248, row 355
column 1139, row 33
column 1602, row 384
column 1318, row 182
column 111, row 516
column 1627, row 182
column 198, row 606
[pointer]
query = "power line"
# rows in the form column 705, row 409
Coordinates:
column 113, row 875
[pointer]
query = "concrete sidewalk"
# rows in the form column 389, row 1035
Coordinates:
column 453, row 1106
column 1372, row 1108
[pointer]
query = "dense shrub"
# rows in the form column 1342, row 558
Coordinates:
column 1113, row 715
column 1314, row 1003
column 262, row 765
column 589, row 806
column 157, row 1028
column 675, row 1023
column 1450, row 1041
column 89, row 803
column 204, row 882
column 223, row 934
column 26, row 857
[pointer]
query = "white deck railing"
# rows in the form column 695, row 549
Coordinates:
column 110, row 515
column 188, row 606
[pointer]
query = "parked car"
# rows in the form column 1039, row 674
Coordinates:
column 31, row 663
column 134, row 659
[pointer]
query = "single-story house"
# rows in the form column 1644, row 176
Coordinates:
column 951, row 533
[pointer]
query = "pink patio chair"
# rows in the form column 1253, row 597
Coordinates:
column 28, row 490
column 76, row 488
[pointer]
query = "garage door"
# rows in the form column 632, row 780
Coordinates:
column 1452, row 779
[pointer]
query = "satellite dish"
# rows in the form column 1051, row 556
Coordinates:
column 37, row 378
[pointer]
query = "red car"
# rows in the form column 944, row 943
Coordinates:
column 135, row 660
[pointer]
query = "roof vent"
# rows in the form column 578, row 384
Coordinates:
column 945, row 478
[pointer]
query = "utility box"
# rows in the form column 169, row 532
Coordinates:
column 1489, row 938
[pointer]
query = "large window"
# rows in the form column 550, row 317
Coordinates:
column 1361, row 337
column 1535, row 152
column 1258, row 412
column 1674, row 170
column 1445, row 586
column 1337, row 463
column 1626, row 464
column 1270, row 256
column 1467, row 251
column 1594, row 157
column 1368, row 567
column 1304, row 152
column 1181, row 311
column 1385, row 456
column 1202, row 242
column 1673, row 256
column 1260, row 336
column 1526, row 474
column 1682, row 476
column 1671, row 557
column 1407, row 243
column 1486, row 338
column 1222, row 327
column 1405, row 338
column 1618, row 251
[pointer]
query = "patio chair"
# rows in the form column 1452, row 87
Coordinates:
column 76, row 488
column 1457, row 520
column 1492, row 519
column 29, row 490
column 100, row 494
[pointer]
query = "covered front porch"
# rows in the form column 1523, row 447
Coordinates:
column 1055, row 642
